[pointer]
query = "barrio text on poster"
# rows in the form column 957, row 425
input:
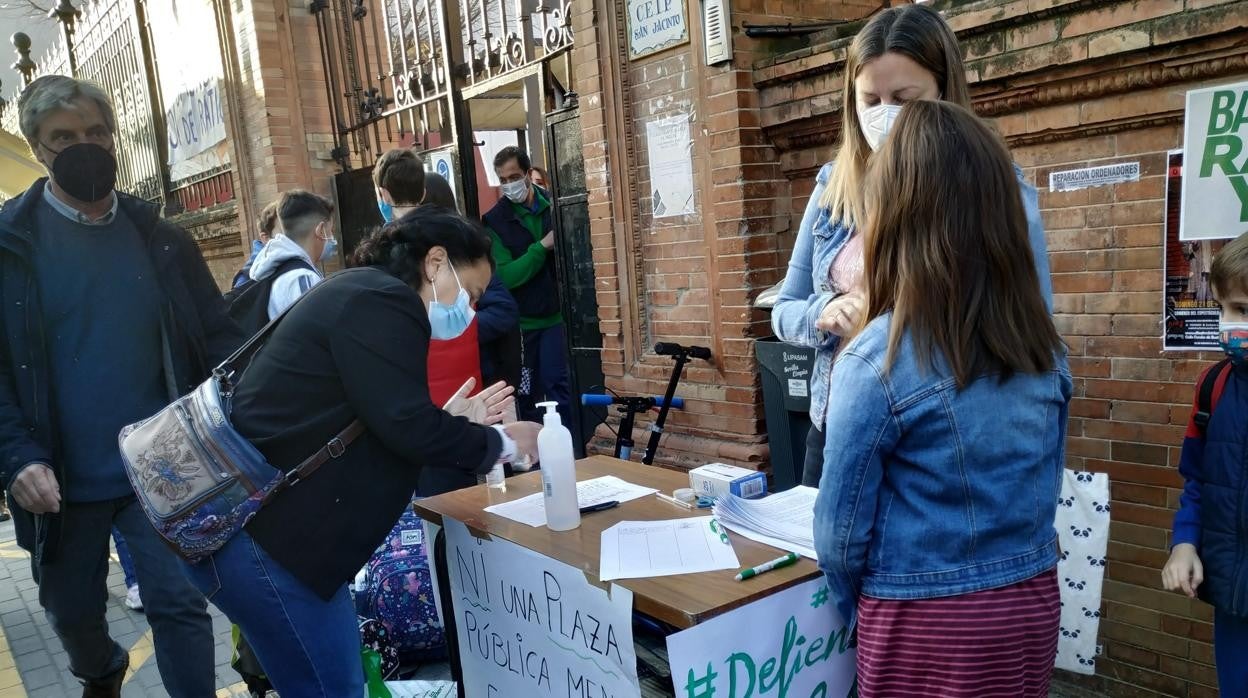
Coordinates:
column 1215, row 184
column 529, row 625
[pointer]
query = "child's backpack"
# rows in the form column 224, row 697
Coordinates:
column 397, row 591
column 248, row 304
column 374, row 636
column 1212, row 383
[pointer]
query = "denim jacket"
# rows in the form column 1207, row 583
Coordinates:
column 929, row 491
column 806, row 289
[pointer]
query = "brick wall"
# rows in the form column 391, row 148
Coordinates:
column 283, row 129
column 217, row 232
column 689, row 279
column 1072, row 84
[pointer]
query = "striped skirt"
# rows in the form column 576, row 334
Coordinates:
column 997, row 642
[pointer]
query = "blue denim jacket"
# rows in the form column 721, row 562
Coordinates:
column 929, row 491
column 806, row 289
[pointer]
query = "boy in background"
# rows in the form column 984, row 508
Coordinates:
column 1209, row 557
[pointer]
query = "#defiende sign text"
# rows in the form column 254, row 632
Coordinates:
column 1215, row 182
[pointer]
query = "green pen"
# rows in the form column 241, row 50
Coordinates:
column 788, row 559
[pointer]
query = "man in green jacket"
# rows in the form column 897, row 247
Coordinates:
column 522, row 227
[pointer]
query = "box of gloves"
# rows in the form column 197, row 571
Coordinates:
column 718, row 479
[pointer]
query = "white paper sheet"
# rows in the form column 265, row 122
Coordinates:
column 785, row 520
column 777, row 543
column 632, row 549
column 531, row 510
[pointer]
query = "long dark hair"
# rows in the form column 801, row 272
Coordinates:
column 400, row 247
column 947, row 251
column 919, row 33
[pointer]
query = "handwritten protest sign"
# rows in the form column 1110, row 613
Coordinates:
column 788, row 645
column 532, row 626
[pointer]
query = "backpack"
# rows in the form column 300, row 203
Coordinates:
column 1211, row 386
column 397, row 591
column 248, row 304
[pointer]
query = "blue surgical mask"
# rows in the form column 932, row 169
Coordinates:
column 256, row 246
column 387, row 210
column 331, row 249
column 450, row 321
column 1233, row 338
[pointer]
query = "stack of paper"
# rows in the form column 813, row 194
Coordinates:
column 785, row 520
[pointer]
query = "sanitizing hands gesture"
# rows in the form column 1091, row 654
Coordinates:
column 487, row 407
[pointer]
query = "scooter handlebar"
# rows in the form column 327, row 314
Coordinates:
column 595, row 400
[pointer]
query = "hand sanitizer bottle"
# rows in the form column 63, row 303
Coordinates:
column 554, row 452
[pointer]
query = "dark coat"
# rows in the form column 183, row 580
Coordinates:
column 194, row 327
column 539, row 296
column 356, row 346
column 1213, row 509
column 498, row 333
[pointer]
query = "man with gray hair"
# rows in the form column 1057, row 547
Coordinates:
column 107, row 312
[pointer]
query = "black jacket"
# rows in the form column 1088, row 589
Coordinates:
column 498, row 333
column 194, row 327
column 355, row 346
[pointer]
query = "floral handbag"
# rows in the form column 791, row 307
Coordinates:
column 198, row 480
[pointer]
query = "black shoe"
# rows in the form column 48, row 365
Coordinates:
column 109, row 686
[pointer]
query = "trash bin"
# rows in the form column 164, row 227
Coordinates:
column 786, row 370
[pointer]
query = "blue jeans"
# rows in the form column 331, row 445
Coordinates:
column 309, row 647
column 123, row 556
column 73, row 591
column 546, row 355
column 1230, row 650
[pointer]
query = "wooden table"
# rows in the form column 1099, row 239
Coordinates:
column 681, row 600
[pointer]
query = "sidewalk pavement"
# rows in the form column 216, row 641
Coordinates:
column 32, row 663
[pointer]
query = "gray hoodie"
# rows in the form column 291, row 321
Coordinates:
column 288, row 287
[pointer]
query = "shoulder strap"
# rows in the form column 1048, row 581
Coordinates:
column 1208, row 393
column 333, row 449
column 225, row 372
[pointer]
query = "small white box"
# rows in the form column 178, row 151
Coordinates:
column 719, row 479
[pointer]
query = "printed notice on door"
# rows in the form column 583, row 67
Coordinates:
column 671, row 166
column 532, row 626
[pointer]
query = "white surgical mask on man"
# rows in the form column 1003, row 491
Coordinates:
column 517, row 191
column 877, row 121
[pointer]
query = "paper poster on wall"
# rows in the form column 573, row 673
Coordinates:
column 1215, row 139
column 670, row 153
column 1074, row 180
column 655, row 25
column 531, row 626
column 184, row 35
column 1191, row 313
column 788, row 644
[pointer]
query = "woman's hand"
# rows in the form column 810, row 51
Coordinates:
column 525, row 436
column 490, row 406
column 1183, row 570
column 842, row 314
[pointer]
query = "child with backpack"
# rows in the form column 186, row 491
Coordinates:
column 1209, row 557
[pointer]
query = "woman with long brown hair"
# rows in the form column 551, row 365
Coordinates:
column 903, row 54
column 934, row 522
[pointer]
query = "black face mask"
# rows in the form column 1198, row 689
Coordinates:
column 85, row 171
